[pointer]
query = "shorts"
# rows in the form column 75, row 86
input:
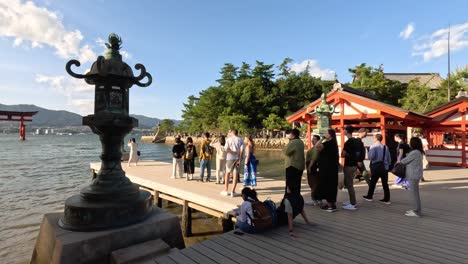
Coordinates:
column 232, row 165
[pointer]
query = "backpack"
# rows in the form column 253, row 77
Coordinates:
column 208, row 149
column 264, row 216
column 189, row 154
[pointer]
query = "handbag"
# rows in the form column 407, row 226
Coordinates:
column 138, row 153
column 399, row 170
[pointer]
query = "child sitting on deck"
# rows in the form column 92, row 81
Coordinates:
column 244, row 222
column 291, row 205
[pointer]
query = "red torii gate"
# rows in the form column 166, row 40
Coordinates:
column 18, row 116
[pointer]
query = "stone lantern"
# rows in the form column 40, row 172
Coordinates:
column 323, row 112
column 111, row 200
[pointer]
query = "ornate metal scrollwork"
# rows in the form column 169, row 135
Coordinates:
column 69, row 71
column 142, row 75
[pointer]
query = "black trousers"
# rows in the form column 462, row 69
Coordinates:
column 374, row 179
column 293, row 179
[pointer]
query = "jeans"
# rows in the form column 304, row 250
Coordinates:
column 244, row 226
column 205, row 163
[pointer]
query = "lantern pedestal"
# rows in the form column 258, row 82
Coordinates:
column 58, row 245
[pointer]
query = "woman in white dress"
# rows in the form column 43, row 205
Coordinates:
column 221, row 153
column 133, row 157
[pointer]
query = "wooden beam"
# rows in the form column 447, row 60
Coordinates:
column 186, row 219
column 171, row 198
column 206, row 210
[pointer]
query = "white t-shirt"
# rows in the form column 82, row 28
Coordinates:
column 234, row 147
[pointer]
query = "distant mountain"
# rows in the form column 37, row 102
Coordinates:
column 61, row 118
column 45, row 117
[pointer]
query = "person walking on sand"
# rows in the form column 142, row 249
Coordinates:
column 234, row 147
column 133, row 157
column 294, row 162
column 220, row 146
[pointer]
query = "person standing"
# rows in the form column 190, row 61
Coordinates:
column 379, row 156
column 312, row 170
column 250, row 163
column 221, row 153
column 414, row 173
column 178, row 151
column 402, row 151
column 189, row 158
column 362, row 133
column 295, row 161
column 205, row 157
column 425, row 145
column 133, row 156
column 350, row 153
column 234, row 146
column 328, row 170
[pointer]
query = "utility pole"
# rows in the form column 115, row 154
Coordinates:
column 448, row 81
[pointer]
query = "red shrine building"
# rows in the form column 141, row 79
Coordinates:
column 444, row 127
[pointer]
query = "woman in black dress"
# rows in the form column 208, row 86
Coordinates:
column 328, row 170
column 189, row 158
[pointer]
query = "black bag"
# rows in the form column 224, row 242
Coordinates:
column 399, row 170
column 138, row 153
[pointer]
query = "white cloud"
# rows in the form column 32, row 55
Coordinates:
column 314, row 69
column 26, row 22
column 77, row 93
column 435, row 45
column 407, row 32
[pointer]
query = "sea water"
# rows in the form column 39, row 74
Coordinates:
column 39, row 174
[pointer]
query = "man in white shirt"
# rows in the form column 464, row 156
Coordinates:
column 234, row 145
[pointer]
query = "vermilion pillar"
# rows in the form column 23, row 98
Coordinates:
column 22, row 129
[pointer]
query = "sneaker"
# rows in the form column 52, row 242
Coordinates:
column 350, row 207
column 331, row 209
column 233, row 194
column 367, row 198
column 172, row 177
column 385, row 202
column 344, row 190
column 412, row 213
column 224, row 193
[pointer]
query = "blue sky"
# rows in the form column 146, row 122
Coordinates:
column 184, row 44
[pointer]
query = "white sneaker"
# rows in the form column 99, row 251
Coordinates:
column 411, row 213
column 346, row 203
column 172, row 177
column 224, row 193
column 233, row 194
column 350, row 207
column 344, row 190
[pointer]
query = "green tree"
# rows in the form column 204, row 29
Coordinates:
column 371, row 80
column 166, row 126
column 228, row 75
column 275, row 122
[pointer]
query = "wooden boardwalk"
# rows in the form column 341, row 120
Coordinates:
column 375, row 233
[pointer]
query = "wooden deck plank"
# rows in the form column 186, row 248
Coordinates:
column 375, row 233
column 227, row 252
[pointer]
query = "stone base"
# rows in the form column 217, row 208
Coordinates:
column 57, row 245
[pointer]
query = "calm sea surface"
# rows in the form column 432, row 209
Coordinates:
column 37, row 175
